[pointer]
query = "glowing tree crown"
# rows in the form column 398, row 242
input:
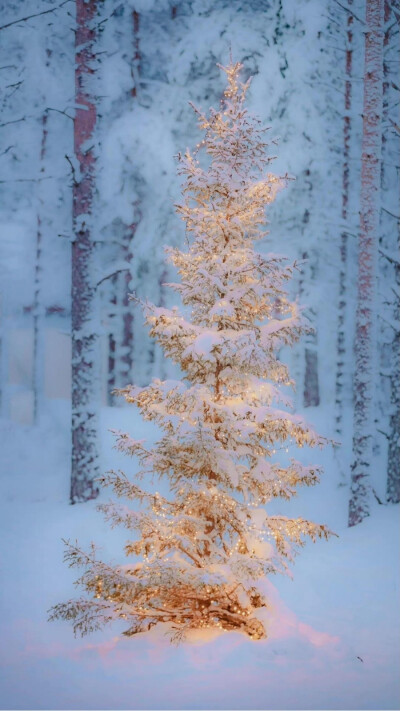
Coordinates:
column 201, row 551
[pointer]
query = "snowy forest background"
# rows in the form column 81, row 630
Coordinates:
column 145, row 60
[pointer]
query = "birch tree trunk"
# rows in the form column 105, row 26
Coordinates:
column 393, row 465
column 391, row 238
column 85, row 336
column 341, row 345
column 369, row 226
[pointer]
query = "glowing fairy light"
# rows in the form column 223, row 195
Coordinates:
column 197, row 554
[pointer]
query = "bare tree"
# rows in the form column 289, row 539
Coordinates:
column 85, row 334
column 367, row 249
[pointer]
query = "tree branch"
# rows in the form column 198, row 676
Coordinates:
column 390, row 259
column 49, row 108
column 7, row 123
column 29, row 17
column 347, row 9
column 72, row 168
column 396, row 217
column 118, row 271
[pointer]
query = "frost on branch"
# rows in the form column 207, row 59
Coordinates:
column 200, row 551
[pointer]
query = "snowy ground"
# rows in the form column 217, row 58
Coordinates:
column 333, row 640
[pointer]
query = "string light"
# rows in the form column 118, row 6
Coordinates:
column 220, row 427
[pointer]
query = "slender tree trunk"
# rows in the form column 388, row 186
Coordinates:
column 341, row 348
column 390, row 179
column 3, row 370
column 311, row 381
column 136, row 53
column 85, row 336
column 38, row 325
column 120, row 336
column 125, row 360
column 112, row 339
column 369, row 226
column 126, row 345
column 393, row 472
column 311, row 387
column 309, row 369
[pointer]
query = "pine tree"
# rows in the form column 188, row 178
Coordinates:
column 207, row 544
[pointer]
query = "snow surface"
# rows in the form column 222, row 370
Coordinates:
column 333, row 631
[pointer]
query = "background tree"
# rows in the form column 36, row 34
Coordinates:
column 85, row 325
column 37, row 306
column 146, row 59
column 388, row 385
column 341, row 343
column 365, row 327
column 119, row 35
column 207, row 543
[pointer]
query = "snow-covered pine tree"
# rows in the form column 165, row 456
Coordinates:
column 205, row 546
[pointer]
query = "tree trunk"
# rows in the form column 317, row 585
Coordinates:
column 341, row 346
column 85, row 336
column 391, row 244
column 393, row 466
column 37, row 371
column 369, row 226
column 3, row 359
column 112, row 339
column 311, row 380
column 121, row 341
column 393, row 471
column 126, row 360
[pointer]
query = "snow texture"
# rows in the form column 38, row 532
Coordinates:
column 333, row 634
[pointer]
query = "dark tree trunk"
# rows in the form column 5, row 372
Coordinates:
column 311, row 396
column 126, row 345
column 112, row 339
column 311, row 379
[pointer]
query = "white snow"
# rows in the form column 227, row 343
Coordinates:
column 333, row 631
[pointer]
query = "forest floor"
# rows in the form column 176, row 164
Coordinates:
column 333, row 639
